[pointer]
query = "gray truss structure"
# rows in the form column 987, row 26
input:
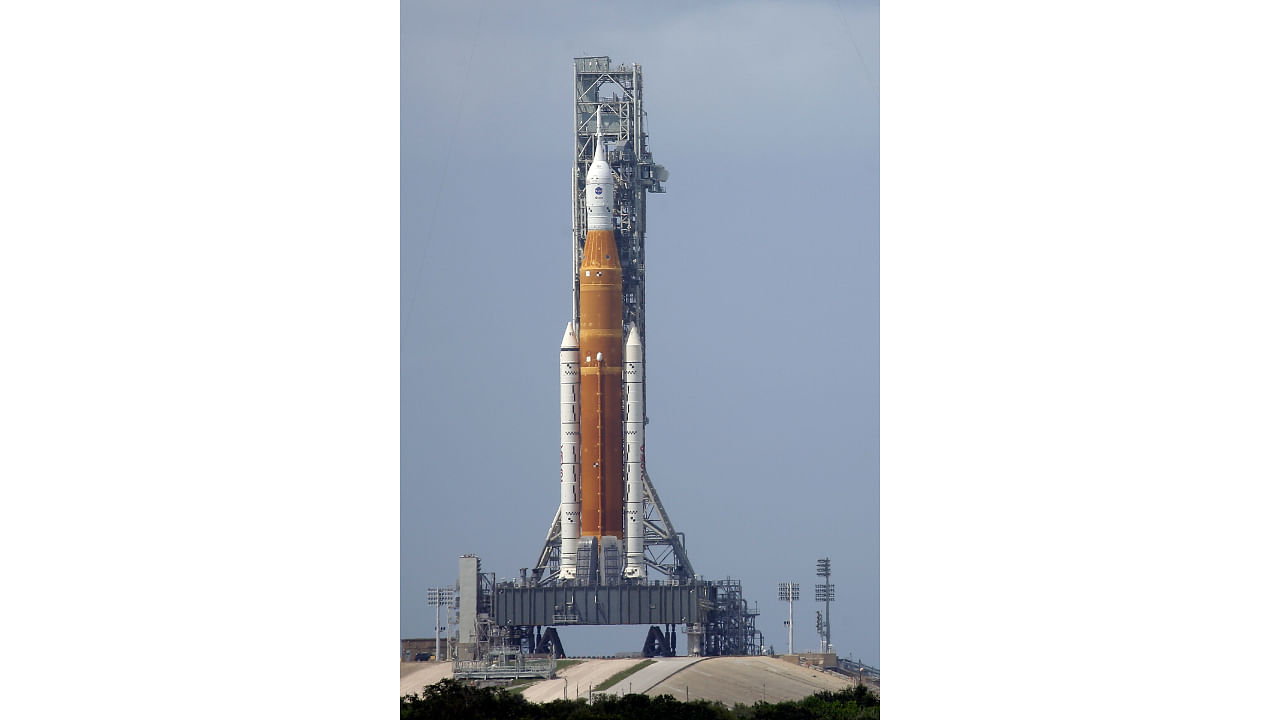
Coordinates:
column 664, row 549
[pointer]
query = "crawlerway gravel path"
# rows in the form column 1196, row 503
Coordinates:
column 577, row 680
column 650, row 675
column 746, row 680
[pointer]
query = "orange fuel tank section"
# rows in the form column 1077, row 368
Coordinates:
column 600, row 343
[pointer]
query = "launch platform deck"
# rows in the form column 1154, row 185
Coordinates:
column 686, row 603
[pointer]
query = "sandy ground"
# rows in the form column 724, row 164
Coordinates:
column 577, row 680
column 414, row 675
column 746, row 680
column 651, row 675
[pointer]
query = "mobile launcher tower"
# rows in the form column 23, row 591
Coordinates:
column 612, row 555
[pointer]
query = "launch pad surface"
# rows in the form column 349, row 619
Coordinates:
column 495, row 615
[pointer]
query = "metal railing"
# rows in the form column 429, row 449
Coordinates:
column 523, row 667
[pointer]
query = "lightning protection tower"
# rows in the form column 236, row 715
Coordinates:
column 616, row 94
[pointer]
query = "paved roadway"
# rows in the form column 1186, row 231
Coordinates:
column 576, row 681
column 650, row 675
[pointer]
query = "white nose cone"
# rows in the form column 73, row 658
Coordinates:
column 599, row 190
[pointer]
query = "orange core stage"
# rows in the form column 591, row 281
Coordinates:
column 600, row 343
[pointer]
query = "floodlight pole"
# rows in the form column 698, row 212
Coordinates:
column 436, row 596
column 789, row 592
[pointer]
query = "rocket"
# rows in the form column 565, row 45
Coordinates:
column 600, row 367
column 593, row 457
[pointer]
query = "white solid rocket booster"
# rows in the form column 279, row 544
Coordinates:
column 633, row 447
column 570, row 436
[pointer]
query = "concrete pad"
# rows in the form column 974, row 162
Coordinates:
column 650, row 675
column 747, row 679
column 577, row 680
column 416, row 675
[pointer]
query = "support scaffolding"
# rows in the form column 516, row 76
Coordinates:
column 731, row 625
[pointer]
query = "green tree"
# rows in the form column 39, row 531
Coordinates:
column 459, row 701
column 453, row 700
